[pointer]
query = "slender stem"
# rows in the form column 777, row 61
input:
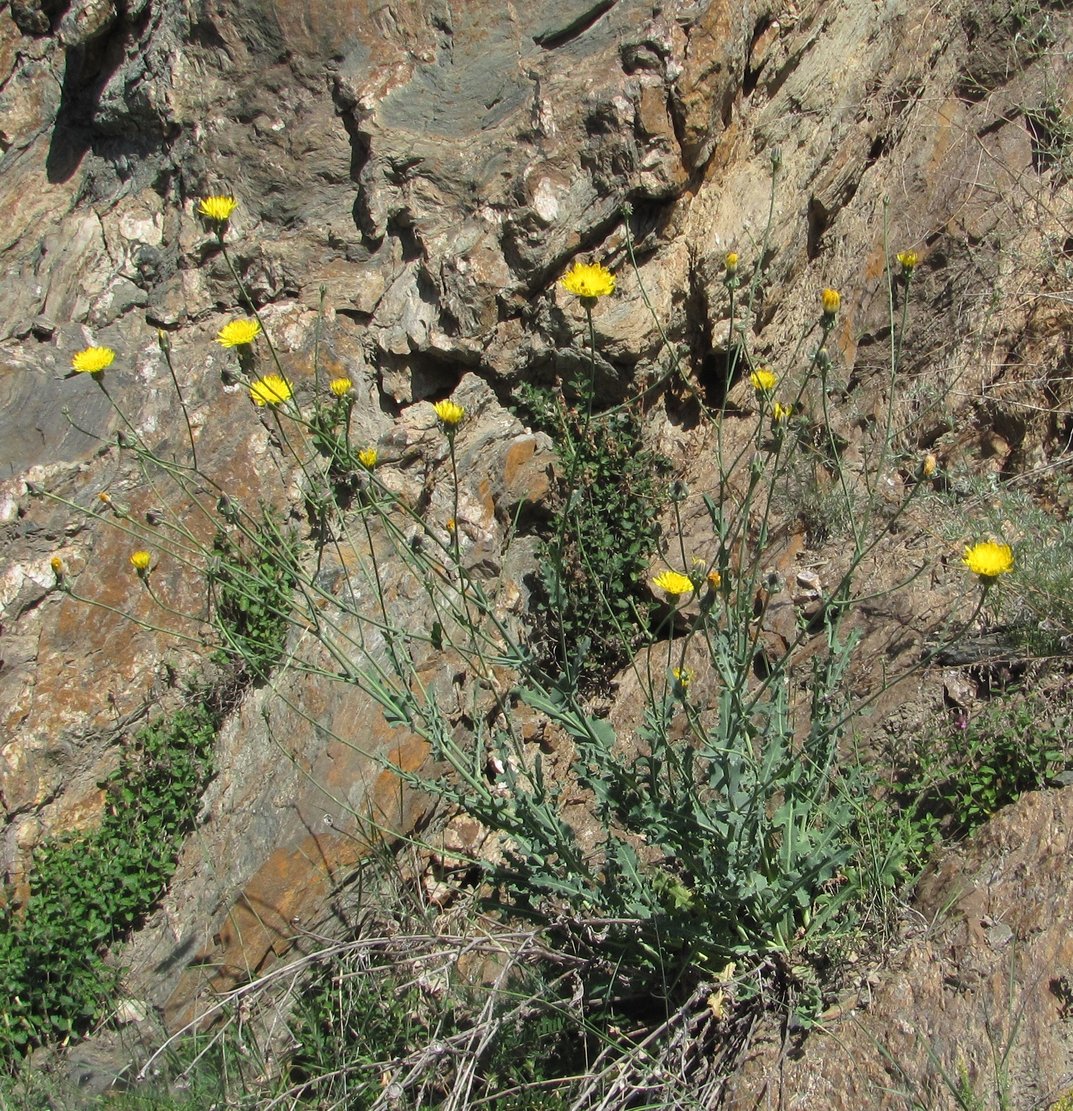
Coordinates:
column 165, row 347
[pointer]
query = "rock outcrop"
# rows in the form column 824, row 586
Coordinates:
column 412, row 179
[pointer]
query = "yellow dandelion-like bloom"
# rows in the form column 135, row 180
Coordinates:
column 589, row 280
column 673, row 582
column 907, row 260
column 763, row 380
column 92, row 360
column 732, row 263
column 237, row 333
column 218, row 208
column 340, row 386
column 270, row 390
column 715, row 580
column 57, row 566
column 451, row 524
column 780, row 413
column 831, row 300
column 928, row 465
column 988, row 559
column 449, row 413
column 140, row 561
column 683, row 676
column 367, row 458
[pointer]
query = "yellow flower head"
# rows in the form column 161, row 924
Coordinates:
column 57, row 566
column 237, row 333
column 673, row 582
column 683, row 676
column 92, row 360
column 907, row 260
column 780, row 413
column 140, row 561
column 218, row 209
column 270, row 390
column 340, row 386
column 715, row 580
column 832, row 301
column 589, row 280
column 763, row 380
column 988, row 559
column 928, row 465
column 367, row 458
column 450, row 414
column 732, row 263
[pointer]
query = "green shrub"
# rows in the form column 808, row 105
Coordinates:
column 965, row 772
column 251, row 580
column 89, row 890
column 593, row 610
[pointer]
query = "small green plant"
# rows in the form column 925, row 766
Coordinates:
column 251, row 580
column 88, row 891
column 968, row 770
column 593, row 609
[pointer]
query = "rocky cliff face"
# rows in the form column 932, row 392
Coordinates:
column 425, row 171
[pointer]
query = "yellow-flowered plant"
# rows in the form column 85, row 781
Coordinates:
column 340, row 386
column 763, row 380
column 673, row 583
column 831, row 300
column 988, row 559
column 731, row 262
column 141, row 561
column 589, row 280
column 367, row 458
column 92, row 360
column 217, row 208
column 238, row 333
column 450, row 414
column 780, row 413
column 907, row 260
column 270, row 390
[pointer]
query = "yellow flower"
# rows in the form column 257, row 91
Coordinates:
column 92, row 360
column 217, row 208
column 763, row 380
column 270, row 390
column 907, row 260
column 988, row 559
column 683, row 676
column 57, row 566
column 832, row 301
column 340, row 386
column 140, row 561
column 715, row 580
column 237, row 333
column 781, row 413
column 673, row 582
column 589, row 280
column 449, row 413
column 928, row 465
column 732, row 263
column 367, row 458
